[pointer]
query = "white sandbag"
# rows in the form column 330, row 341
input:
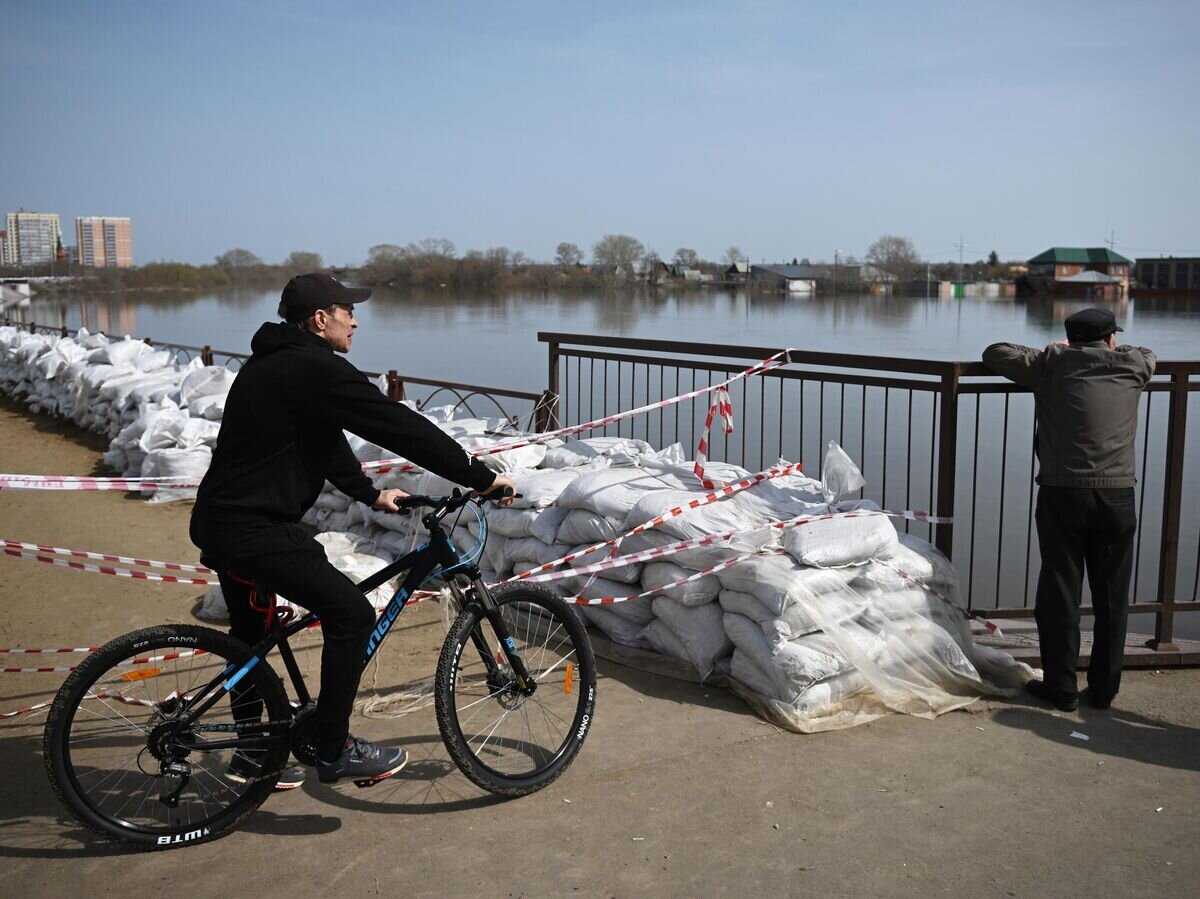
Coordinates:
column 119, row 352
column 699, row 558
column 581, row 526
column 545, row 526
column 700, row 629
column 205, row 380
column 616, row 628
column 656, row 575
column 539, row 488
column 155, row 359
column 793, row 622
column 833, row 542
column 173, row 462
column 734, row 513
column 792, row 667
column 613, row 492
column 529, row 552
column 212, row 605
column 510, row 522
column 636, row 610
column 619, row 450
column 774, row 580
column 508, row 461
column 210, row 407
column 625, row 574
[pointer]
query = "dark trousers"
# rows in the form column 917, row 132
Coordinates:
column 294, row 565
column 1082, row 528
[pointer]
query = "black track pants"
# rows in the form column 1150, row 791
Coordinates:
column 1082, row 528
column 294, row 565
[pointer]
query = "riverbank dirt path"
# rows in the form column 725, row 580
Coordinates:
column 680, row 790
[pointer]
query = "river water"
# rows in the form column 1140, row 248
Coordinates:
column 492, row 340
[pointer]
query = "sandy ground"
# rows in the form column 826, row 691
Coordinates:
column 680, row 790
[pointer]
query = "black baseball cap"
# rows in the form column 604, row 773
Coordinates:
column 1091, row 324
column 305, row 294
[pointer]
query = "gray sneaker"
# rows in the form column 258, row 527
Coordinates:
column 363, row 761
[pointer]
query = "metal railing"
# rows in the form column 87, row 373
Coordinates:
column 949, row 437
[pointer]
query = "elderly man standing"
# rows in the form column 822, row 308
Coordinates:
column 1086, row 390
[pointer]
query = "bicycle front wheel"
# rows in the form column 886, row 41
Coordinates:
column 128, row 761
column 508, row 739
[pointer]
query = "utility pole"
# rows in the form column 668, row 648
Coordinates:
column 835, row 267
column 960, row 245
column 1112, row 241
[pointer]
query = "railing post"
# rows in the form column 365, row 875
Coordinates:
column 1164, row 621
column 206, row 356
column 395, row 389
column 947, row 459
column 551, row 395
column 63, row 331
column 544, row 416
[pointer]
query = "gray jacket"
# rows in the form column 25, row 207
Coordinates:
column 1087, row 407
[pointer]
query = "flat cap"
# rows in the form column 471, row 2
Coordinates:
column 1091, row 324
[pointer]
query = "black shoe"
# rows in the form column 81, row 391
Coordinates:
column 1064, row 702
column 365, row 762
column 244, row 769
column 1099, row 700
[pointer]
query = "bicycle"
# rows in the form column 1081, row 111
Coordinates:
column 140, row 735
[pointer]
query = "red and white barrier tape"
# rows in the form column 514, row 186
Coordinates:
column 721, row 404
column 145, row 660
column 720, row 566
column 27, row 710
column 728, row 490
column 541, row 573
column 105, row 557
column 16, row 650
column 116, row 572
column 71, row 482
column 924, row 585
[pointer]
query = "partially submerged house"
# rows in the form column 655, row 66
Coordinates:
column 790, row 278
column 1088, row 272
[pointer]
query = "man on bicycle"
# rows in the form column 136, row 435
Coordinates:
column 281, row 438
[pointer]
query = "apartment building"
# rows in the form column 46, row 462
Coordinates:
column 31, row 238
column 104, row 241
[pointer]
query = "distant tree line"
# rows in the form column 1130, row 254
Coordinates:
column 615, row 260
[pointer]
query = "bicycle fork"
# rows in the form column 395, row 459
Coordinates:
column 507, row 648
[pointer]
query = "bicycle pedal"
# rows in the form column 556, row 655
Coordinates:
column 365, row 782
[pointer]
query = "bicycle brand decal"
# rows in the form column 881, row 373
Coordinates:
column 385, row 622
column 245, row 669
column 184, row 837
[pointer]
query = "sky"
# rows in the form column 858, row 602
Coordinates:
column 786, row 129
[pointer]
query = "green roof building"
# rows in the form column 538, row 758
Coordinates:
column 1049, row 270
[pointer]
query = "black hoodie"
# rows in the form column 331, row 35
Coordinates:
column 281, row 434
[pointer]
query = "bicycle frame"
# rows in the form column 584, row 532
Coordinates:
column 436, row 559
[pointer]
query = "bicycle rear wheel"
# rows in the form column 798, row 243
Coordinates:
column 126, row 763
column 508, row 740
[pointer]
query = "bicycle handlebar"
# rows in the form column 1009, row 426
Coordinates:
column 443, row 505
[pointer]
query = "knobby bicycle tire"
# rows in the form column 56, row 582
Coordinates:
column 503, row 740
column 110, row 725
